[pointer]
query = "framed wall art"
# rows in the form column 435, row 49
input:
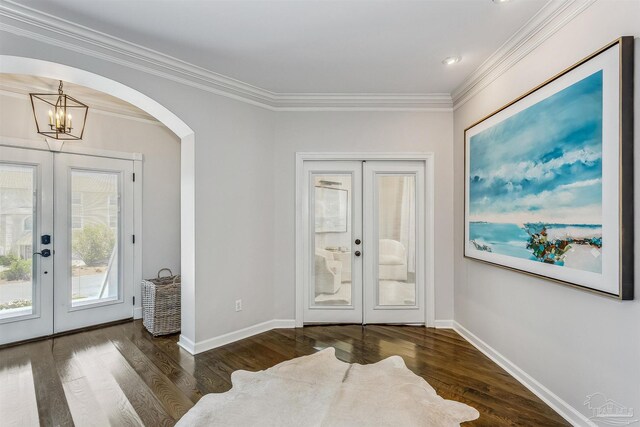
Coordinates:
column 549, row 178
column 331, row 206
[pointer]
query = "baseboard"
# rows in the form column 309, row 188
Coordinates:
column 565, row 410
column 443, row 324
column 137, row 313
column 211, row 343
column 187, row 344
column 283, row 323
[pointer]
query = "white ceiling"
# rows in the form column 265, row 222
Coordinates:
column 313, row 46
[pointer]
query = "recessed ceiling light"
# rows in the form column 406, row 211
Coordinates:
column 500, row 1
column 450, row 60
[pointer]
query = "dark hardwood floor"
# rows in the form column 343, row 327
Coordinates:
column 120, row 375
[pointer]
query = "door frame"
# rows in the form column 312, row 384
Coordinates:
column 54, row 146
column 428, row 159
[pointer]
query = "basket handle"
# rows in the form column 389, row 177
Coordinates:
column 165, row 269
column 176, row 278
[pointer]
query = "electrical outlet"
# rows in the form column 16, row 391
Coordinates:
column 238, row 305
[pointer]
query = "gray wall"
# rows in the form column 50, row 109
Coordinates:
column 573, row 342
column 361, row 132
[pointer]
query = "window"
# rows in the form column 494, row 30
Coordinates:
column 76, row 210
column 27, row 224
column 112, row 209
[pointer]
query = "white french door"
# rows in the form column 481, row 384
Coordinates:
column 364, row 241
column 333, row 247
column 394, row 242
column 94, row 241
column 26, row 214
column 66, row 249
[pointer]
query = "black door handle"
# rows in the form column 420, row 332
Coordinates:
column 46, row 253
column 357, row 253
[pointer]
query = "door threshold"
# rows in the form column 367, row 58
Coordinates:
column 71, row 332
column 362, row 324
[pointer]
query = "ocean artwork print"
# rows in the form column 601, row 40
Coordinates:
column 535, row 181
column 548, row 178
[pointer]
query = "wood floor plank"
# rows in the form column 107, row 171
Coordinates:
column 144, row 401
column 186, row 382
column 48, row 386
column 18, row 402
column 97, row 385
column 83, row 404
column 121, row 375
column 172, row 398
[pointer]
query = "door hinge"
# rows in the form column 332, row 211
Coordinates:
column 133, row 238
column 134, row 177
column 134, row 300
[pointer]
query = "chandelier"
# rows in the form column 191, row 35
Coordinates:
column 58, row 115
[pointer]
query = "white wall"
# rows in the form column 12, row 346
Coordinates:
column 360, row 132
column 161, row 170
column 573, row 342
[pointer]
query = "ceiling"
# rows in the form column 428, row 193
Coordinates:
column 313, row 46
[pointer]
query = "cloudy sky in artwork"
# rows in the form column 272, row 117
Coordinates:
column 543, row 164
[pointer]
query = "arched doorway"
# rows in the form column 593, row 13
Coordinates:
column 40, row 68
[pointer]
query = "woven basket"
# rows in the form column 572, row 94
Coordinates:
column 161, row 304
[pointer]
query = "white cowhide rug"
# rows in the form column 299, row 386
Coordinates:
column 320, row 390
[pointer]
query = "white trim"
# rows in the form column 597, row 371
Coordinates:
column 443, row 324
column 228, row 338
column 31, row 23
column 283, row 323
column 425, row 102
column 138, row 199
column 551, row 18
column 428, row 158
column 566, row 411
column 70, row 147
column 187, row 344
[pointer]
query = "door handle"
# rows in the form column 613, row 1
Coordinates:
column 357, row 253
column 46, row 253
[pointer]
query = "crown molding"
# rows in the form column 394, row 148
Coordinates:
column 31, row 23
column 554, row 15
column 28, row 22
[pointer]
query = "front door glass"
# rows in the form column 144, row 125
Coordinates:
column 95, row 221
column 17, row 234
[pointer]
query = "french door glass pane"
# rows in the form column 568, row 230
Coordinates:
column 332, row 240
column 17, row 219
column 94, row 231
column 397, row 239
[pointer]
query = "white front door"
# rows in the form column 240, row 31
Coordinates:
column 364, row 240
column 26, row 261
column 66, row 242
column 94, row 241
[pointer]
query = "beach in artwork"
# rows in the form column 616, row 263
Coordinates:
column 535, row 181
